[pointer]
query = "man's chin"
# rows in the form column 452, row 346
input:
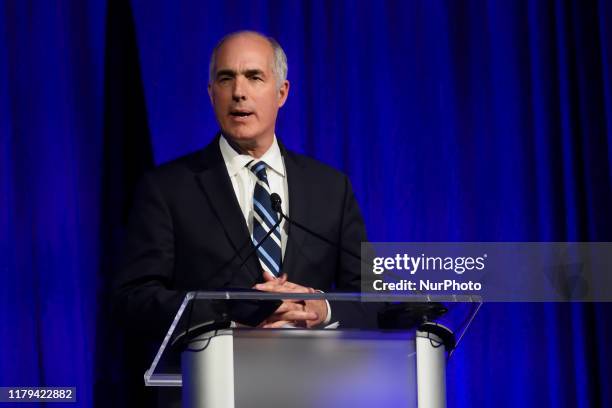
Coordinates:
column 241, row 139
column 244, row 140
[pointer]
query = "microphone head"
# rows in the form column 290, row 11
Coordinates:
column 275, row 201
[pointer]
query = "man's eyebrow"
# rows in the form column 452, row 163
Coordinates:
column 248, row 72
column 226, row 72
column 253, row 72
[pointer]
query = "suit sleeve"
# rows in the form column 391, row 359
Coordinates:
column 144, row 298
column 348, row 279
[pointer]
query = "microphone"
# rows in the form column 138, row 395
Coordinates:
column 406, row 315
column 276, row 202
column 261, row 241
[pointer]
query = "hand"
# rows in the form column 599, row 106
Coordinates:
column 302, row 313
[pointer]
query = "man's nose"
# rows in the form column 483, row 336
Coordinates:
column 239, row 91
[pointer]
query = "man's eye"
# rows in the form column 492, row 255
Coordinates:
column 256, row 78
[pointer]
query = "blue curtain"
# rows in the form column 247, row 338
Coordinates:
column 456, row 121
column 51, row 94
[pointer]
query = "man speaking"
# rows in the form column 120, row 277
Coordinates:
column 197, row 220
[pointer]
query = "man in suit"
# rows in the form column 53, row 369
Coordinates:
column 195, row 220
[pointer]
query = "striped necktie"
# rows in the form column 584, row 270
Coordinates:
column 264, row 218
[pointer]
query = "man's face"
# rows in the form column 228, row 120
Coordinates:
column 244, row 92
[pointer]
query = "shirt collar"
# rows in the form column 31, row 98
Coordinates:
column 235, row 161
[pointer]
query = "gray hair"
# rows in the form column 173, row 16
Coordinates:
column 279, row 67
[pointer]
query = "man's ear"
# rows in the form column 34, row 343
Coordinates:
column 283, row 93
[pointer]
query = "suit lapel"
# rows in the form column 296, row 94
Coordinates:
column 298, row 209
column 217, row 186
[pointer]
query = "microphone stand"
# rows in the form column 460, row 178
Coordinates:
column 276, row 206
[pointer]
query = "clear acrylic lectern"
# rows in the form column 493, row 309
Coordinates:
column 402, row 363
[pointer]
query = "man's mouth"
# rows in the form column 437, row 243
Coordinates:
column 240, row 114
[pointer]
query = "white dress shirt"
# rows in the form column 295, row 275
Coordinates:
column 243, row 181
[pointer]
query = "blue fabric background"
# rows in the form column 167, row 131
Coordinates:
column 455, row 120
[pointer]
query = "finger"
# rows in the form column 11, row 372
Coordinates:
column 271, row 282
column 319, row 307
column 295, row 301
column 276, row 325
column 287, row 287
column 287, row 306
column 269, row 277
column 294, row 287
column 298, row 315
column 270, row 286
column 293, row 315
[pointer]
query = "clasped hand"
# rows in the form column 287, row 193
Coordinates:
column 300, row 313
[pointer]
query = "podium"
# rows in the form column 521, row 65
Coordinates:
column 402, row 363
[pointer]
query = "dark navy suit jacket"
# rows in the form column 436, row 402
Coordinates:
column 186, row 232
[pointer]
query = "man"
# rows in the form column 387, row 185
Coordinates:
column 195, row 220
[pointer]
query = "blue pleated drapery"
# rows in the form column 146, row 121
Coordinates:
column 478, row 121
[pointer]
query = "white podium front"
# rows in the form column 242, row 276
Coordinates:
column 243, row 367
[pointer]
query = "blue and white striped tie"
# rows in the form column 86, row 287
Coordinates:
column 264, row 218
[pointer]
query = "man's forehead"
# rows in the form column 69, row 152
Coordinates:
column 244, row 54
column 246, row 43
